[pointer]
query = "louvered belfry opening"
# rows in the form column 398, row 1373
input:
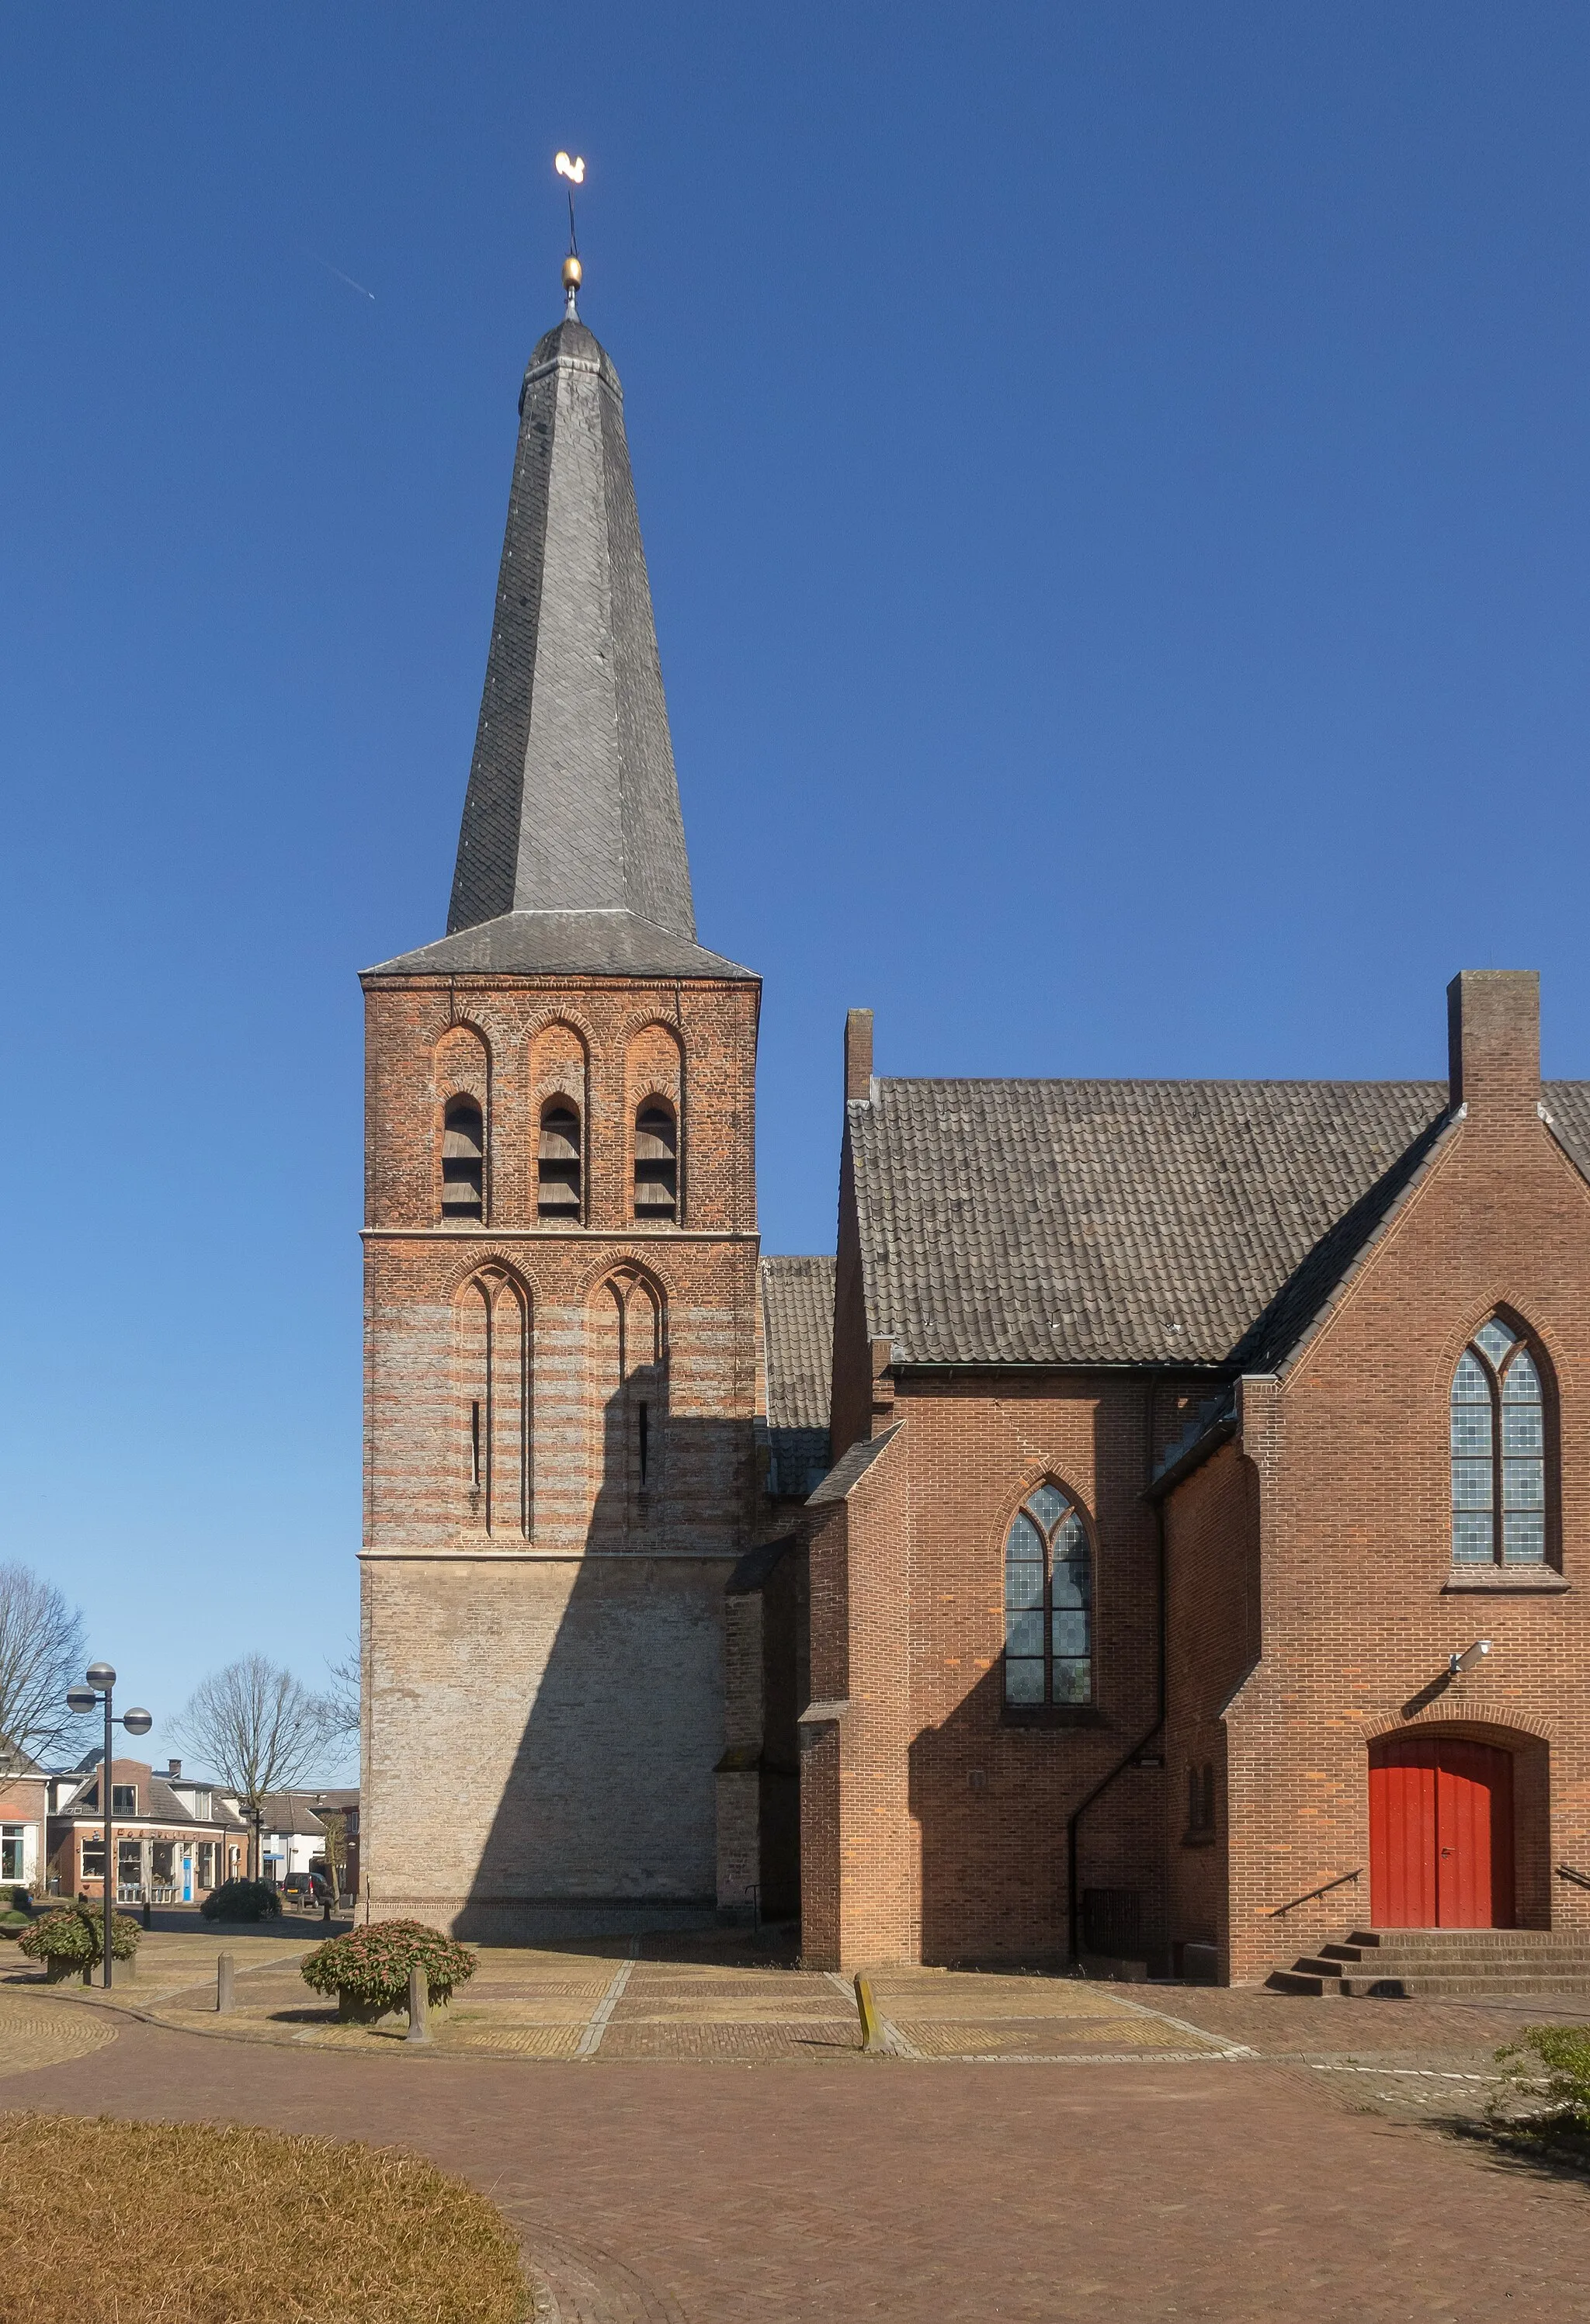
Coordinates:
column 559, row 1171
column 463, row 1163
column 656, row 1161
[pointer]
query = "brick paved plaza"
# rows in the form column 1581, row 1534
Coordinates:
column 668, row 2152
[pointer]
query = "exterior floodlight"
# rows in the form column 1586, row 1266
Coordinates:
column 137, row 1722
column 100, row 1675
column 1469, row 1656
column 81, row 1698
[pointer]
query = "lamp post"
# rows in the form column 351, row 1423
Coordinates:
column 101, row 1684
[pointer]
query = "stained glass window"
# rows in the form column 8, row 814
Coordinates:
column 1048, row 1604
column 1498, row 1452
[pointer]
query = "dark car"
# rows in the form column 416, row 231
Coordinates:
column 305, row 1889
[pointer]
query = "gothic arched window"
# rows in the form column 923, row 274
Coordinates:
column 462, row 1162
column 1498, row 1451
column 1048, row 1604
column 657, row 1151
column 557, row 1163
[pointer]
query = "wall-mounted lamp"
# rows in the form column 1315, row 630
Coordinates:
column 1469, row 1656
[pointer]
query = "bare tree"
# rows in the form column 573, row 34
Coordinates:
column 259, row 1729
column 40, row 1654
column 341, row 1699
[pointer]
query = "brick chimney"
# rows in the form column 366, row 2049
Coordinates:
column 1493, row 1038
column 858, row 1054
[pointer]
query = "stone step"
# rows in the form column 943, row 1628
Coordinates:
column 1422, row 1985
column 1561, row 1961
column 1378, row 1940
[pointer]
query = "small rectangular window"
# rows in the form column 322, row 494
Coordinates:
column 123, row 1799
column 12, row 1851
column 93, row 1859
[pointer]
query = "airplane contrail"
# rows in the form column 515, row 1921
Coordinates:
column 341, row 277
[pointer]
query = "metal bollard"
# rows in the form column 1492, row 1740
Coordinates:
column 223, row 1983
column 418, row 2006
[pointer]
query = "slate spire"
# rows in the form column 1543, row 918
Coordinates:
column 573, row 804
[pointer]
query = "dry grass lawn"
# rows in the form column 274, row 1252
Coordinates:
column 186, row 2223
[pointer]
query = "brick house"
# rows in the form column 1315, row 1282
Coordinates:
column 174, row 1841
column 25, row 1808
column 1095, row 1559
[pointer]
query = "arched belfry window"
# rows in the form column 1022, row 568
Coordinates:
column 1048, row 1604
column 657, row 1161
column 1498, row 1451
column 463, row 1163
column 558, row 1166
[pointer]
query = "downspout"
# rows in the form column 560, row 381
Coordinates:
column 1074, row 1821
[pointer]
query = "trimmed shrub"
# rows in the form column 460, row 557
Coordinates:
column 372, row 1966
column 242, row 1900
column 1548, row 2073
column 77, row 1934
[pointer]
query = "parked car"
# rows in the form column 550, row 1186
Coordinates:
column 305, row 1889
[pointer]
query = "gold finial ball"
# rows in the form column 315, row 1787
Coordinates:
column 573, row 275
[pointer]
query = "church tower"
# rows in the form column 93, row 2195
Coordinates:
column 560, row 1269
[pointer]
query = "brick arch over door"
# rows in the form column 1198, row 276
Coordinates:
column 492, row 1405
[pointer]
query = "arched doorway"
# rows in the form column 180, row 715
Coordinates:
column 1440, row 1834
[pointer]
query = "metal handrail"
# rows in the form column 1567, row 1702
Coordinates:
column 1566, row 1872
column 1340, row 1881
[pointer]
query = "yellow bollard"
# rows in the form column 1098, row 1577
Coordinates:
column 867, row 2009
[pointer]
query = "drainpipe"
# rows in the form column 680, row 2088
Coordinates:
column 1074, row 1821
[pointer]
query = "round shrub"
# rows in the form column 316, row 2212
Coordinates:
column 77, row 1934
column 372, row 1965
column 242, row 1900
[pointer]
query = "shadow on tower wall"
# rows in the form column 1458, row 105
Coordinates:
column 606, row 1821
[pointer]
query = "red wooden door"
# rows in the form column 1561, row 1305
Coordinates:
column 1440, row 1835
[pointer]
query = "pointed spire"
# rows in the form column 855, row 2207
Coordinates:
column 573, row 804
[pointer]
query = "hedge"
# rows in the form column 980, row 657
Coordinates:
column 77, row 1933
column 242, row 1900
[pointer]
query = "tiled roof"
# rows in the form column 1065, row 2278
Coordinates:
column 798, row 1325
column 1129, row 1222
column 572, row 799
column 798, row 1338
column 614, row 942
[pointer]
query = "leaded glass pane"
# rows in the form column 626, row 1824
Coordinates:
column 1472, row 1541
column 1524, row 1537
column 1522, row 1379
column 1023, row 1682
column 1073, row 1581
column 1048, row 1505
column 1024, row 1633
column 1495, row 1339
column 1070, row 1634
column 1024, row 1543
column 1071, row 1541
column 1524, row 1428
column 1471, row 1484
column 1523, row 1484
column 1023, row 1585
column 1471, row 1383
column 1471, row 1428
column 1073, row 1682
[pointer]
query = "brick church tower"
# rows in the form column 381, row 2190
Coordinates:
column 560, row 1269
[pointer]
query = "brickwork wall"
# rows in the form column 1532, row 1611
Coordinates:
column 559, row 1449
column 1361, row 1608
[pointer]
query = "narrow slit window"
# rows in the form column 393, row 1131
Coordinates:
column 559, row 1166
column 1498, row 1452
column 657, row 1169
column 463, row 1163
column 1049, row 1605
column 475, row 1446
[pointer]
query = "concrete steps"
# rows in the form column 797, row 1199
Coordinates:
column 1406, row 1964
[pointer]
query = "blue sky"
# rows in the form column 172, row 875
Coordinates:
column 1114, row 480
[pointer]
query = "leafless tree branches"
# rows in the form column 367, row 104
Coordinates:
column 41, row 1652
column 257, row 1728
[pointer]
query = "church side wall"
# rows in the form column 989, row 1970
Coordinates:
column 1361, row 1605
